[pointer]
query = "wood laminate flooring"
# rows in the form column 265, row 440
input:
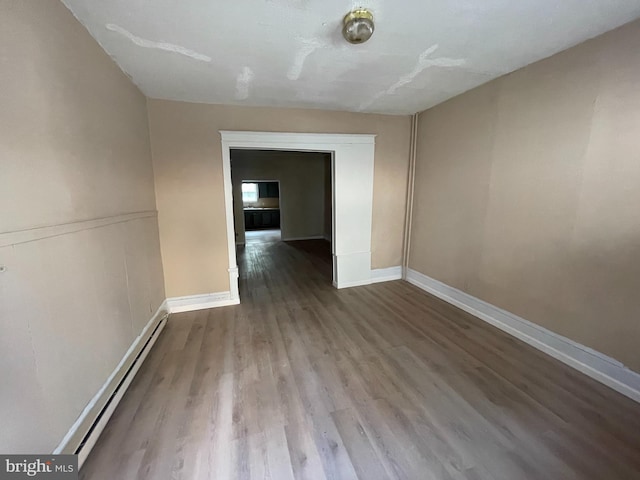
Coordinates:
column 262, row 236
column 302, row 381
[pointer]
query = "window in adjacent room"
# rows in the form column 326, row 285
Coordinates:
column 249, row 192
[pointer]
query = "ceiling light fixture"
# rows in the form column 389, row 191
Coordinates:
column 358, row 26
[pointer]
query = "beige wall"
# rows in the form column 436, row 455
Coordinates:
column 301, row 176
column 527, row 194
column 187, row 159
column 74, row 147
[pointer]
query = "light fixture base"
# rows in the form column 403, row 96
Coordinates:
column 358, row 26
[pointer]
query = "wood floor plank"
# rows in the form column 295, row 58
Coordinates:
column 303, row 381
column 361, row 451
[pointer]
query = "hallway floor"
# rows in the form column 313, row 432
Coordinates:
column 302, row 381
column 262, row 236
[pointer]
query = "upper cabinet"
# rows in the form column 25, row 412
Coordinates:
column 268, row 190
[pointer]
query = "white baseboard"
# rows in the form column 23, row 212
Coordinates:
column 359, row 283
column 96, row 414
column 295, row 239
column 386, row 274
column 584, row 359
column 200, row 302
column 377, row 275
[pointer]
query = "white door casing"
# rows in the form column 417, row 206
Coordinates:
column 352, row 171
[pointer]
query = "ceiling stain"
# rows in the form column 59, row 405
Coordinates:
column 308, row 47
column 299, row 57
column 423, row 63
column 243, row 81
column 167, row 47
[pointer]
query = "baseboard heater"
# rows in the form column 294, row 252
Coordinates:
column 91, row 437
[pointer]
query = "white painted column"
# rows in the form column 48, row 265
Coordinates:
column 353, row 210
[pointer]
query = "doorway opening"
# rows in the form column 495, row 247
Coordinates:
column 261, row 210
column 352, row 159
column 282, row 212
column 284, row 190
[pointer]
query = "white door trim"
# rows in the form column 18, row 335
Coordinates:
column 352, row 170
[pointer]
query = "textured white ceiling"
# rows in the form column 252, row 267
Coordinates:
column 291, row 52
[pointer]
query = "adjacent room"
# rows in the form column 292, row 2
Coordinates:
column 320, row 240
column 260, row 219
column 282, row 205
column 287, row 194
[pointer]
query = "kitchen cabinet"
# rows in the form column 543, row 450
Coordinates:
column 268, row 190
column 261, row 218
